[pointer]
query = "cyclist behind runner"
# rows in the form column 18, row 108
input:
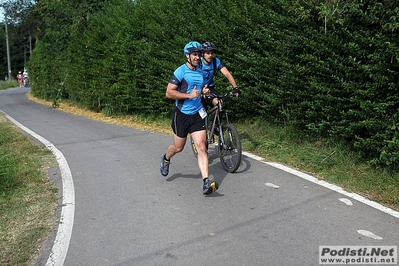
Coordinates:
column 186, row 87
column 209, row 64
column 26, row 78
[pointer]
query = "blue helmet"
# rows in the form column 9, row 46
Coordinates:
column 192, row 47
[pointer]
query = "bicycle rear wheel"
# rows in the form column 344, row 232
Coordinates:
column 193, row 147
column 230, row 151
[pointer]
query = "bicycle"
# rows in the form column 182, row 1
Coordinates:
column 26, row 82
column 229, row 143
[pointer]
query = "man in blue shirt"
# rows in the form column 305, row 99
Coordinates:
column 186, row 86
column 209, row 64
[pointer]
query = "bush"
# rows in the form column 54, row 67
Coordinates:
column 327, row 69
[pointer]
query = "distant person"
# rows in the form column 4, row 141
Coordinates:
column 20, row 78
column 26, row 78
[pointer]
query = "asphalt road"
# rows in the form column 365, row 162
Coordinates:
column 126, row 213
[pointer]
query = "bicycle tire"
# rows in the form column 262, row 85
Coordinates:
column 195, row 148
column 230, row 152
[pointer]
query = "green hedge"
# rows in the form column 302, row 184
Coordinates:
column 327, row 68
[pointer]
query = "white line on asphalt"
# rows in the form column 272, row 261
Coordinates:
column 327, row 185
column 64, row 232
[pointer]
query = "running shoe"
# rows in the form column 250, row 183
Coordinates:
column 164, row 165
column 209, row 187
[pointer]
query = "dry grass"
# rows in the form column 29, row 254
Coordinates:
column 130, row 121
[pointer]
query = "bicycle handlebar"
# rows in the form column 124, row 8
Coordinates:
column 229, row 94
column 219, row 97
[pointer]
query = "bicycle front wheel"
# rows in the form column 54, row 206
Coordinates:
column 230, row 151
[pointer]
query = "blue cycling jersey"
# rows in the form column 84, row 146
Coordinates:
column 186, row 79
column 209, row 70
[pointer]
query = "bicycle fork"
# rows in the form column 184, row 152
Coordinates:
column 221, row 135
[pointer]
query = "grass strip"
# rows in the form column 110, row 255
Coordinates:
column 8, row 84
column 27, row 196
column 331, row 162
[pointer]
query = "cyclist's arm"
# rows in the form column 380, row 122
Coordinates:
column 229, row 76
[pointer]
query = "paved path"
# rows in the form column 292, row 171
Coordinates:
column 126, row 213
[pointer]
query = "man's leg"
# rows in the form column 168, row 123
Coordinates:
column 177, row 146
column 199, row 138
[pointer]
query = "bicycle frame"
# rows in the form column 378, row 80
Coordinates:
column 215, row 115
column 229, row 143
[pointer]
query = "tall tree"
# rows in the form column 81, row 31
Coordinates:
column 21, row 23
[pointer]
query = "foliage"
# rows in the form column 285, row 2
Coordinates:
column 8, row 84
column 328, row 68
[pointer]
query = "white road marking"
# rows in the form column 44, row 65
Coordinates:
column 369, row 234
column 272, row 185
column 64, row 232
column 346, row 201
column 327, row 185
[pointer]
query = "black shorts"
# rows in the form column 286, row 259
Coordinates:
column 183, row 124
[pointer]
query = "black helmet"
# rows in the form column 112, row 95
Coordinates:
column 208, row 46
